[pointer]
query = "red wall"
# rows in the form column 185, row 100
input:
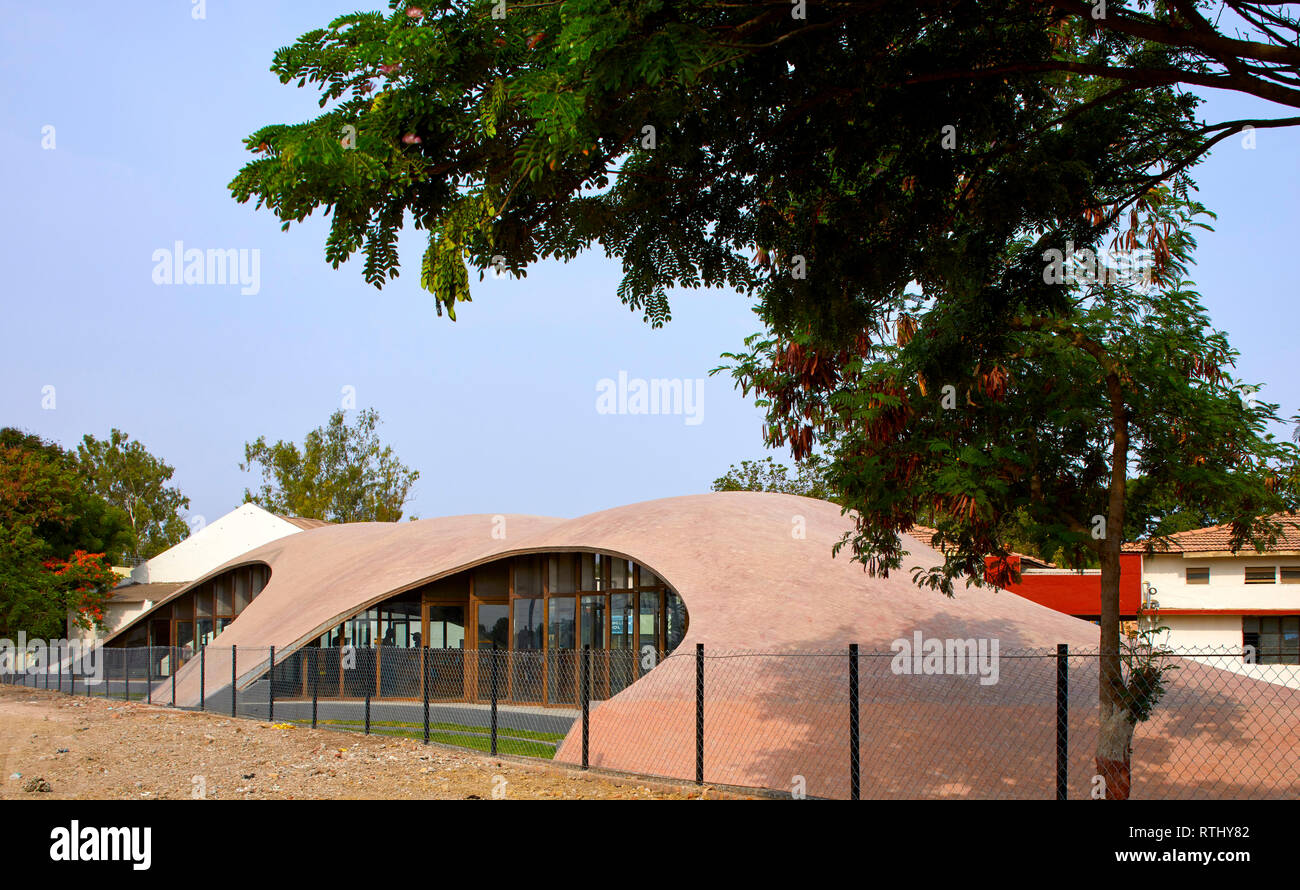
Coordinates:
column 1076, row 594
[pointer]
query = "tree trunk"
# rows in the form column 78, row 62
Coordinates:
column 1115, row 727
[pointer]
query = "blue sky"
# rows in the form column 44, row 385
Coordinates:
column 497, row 410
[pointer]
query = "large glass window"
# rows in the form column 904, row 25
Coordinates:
column 528, row 576
column 593, row 621
column 675, row 614
column 242, row 580
column 526, row 659
column 493, row 625
column 561, row 629
column 257, row 581
column 561, row 659
column 529, row 633
column 561, row 573
column 400, row 623
column 622, row 655
column 648, row 625
column 590, row 574
column 362, row 630
column 492, row 581
column 1276, row 640
column 224, row 599
column 620, row 573
column 446, row 627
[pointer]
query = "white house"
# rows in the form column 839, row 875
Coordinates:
column 1243, row 604
column 237, row 532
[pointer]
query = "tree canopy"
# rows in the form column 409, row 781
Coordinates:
column 126, row 475
column 767, row 475
column 55, row 532
column 342, row 473
column 818, row 156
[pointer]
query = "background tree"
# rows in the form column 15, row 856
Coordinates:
column 126, row 475
column 1036, row 434
column 54, row 534
column 342, row 473
column 768, row 475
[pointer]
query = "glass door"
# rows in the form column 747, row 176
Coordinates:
column 446, row 655
column 622, row 648
column 561, row 665
column 493, row 630
column 593, row 635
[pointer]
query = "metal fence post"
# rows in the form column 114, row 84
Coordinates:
column 370, row 690
column 203, row 678
column 586, row 705
column 492, row 680
column 315, row 685
column 171, row 660
column 1062, row 719
column 855, row 742
column 234, row 693
column 126, row 674
column 424, row 677
column 148, row 673
column 59, row 647
column 699, row 713
column 270, row 689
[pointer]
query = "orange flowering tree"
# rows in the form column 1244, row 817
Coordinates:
column 85, row 583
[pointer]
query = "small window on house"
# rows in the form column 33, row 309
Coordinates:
column 1291, row 574
column 1198, row 576
column 1261, row 574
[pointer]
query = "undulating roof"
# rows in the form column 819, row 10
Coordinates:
column 756, row 574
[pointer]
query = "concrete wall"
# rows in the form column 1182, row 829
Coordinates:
column 1204, row 632
column 116, row 616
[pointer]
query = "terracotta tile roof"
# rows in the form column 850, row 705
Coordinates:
column 1218, row 538
column 922, row 534
column 302, row 522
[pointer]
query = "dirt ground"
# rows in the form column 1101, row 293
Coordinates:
column 80, row 748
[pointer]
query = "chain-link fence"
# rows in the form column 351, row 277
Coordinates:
column 956, row 719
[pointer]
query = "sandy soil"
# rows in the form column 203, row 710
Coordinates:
column 92, row 748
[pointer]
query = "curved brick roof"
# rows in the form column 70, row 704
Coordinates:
column 756, row 574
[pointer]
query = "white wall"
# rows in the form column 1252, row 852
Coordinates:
column 235, row 533
column 232, row 535
column 116, row 616
column 1227, row 588
column 1217, row 633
